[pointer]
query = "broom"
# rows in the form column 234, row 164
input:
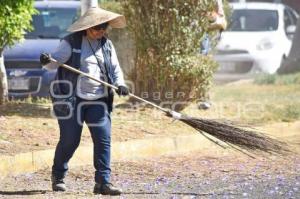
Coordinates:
column 220, row 133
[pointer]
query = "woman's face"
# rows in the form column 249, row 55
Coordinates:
column 97, row 32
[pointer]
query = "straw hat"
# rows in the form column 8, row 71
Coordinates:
column 96, row 16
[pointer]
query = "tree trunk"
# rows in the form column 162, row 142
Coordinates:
column 292, row 63
column 3, row 81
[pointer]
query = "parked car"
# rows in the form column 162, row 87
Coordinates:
column 24, row 71
column 258, row 39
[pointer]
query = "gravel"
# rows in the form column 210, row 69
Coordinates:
column 194, row 175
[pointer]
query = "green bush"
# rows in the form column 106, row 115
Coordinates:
column 15, row 20
column 167, row 36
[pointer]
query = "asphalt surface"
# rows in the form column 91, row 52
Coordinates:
column 194, row 175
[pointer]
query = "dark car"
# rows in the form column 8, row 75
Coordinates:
column 26, row 77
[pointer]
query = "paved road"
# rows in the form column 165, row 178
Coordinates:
column 195, row 175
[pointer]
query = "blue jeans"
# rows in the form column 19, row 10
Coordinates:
column 207, row 42
column 205, row 45
column 97, row 118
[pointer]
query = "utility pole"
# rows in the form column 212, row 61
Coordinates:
column 86, row 4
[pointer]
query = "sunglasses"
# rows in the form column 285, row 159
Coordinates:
column 102, row 26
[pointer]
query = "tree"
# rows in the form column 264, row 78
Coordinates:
column 167, row 34
column 291, row 64
column 15, row 20
column 86, row 4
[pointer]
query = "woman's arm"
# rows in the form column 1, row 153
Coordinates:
column 62, row 54
column 118, row 76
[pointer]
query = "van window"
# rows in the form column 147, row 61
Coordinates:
column 52, row 22
column 253, row 20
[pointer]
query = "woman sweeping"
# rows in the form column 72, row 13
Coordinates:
column 78, row 99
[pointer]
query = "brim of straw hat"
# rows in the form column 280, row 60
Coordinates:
column 96, row 16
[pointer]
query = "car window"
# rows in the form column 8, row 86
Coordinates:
column 253, row 20
column 52, row 22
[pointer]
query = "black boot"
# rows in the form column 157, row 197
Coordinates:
column 107, row 189
column 58, row 184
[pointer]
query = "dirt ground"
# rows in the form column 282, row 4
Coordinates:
column 193, row 175
column 26, row 128
column 34, row 129
column 202, row 174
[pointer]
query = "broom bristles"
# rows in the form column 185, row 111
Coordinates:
column 231, row 134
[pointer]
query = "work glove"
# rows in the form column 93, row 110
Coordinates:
column 45, row 58
column 122, row 91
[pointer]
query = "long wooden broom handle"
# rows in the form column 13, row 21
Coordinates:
column 107, row 84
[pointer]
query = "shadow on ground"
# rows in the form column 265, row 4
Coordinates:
column 24, row 192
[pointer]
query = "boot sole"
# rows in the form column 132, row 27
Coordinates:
column 106, row 194
column 58, row 189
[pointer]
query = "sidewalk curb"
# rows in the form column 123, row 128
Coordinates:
column 133, row 149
